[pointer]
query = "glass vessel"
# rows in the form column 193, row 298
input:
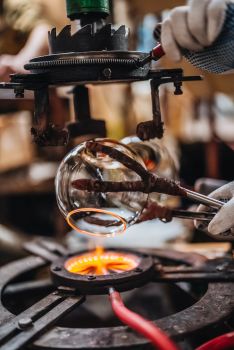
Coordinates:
column 89, row 212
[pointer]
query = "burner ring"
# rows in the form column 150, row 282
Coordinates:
column 100, row 284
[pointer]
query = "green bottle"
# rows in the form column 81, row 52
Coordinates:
column 79, row 8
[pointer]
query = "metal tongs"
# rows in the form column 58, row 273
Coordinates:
column 193, row 215
column 149, row 183
column 202, row 215
column 202, row 199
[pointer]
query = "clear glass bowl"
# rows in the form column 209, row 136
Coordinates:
column 98, row 214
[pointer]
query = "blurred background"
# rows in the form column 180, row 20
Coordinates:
column 199, row 124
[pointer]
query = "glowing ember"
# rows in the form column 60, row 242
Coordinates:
column 100, row 262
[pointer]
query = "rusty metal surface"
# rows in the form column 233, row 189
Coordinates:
column 216, row 306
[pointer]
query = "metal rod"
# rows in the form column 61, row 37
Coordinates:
column 202, row 199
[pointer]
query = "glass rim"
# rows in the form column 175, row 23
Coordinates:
column 71, row 223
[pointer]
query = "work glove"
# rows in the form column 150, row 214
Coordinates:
column 222, row 225
column 192, row 27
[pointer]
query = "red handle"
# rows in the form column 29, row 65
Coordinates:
column 157, row 52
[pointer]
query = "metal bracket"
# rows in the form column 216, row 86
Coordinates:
column 154, row 128
column 17, row 333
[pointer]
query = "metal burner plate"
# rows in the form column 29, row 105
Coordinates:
column 75, row 67
column 93, row 284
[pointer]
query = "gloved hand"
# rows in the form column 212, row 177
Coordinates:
column 192, row 27
column 224, row 219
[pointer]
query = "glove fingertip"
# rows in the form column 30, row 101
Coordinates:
column 169, row 44
column 214, row 228
column 216, row 18
column 202, row 207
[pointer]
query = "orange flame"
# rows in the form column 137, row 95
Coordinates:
column 100, row 262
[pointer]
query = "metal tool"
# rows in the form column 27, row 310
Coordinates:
column 155, row 54
column 202, row 199
column 193, row 215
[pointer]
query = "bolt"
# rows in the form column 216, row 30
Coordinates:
column 158, row 267
column 65, row 289
column 25, row 323
column 107, row 73
column 124, row 337
column 19, row 93
column 219, row 268
column 57, row 268
column 178, row 90
column 138, row 269
column 91, row 278
column 222, row 267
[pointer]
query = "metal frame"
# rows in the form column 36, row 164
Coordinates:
column 95, row 68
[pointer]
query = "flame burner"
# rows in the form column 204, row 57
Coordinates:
column 94, row 272
column 101, row 262
column 35, row 314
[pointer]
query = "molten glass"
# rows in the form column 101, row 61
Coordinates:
column 102, row 218
column 100, row 262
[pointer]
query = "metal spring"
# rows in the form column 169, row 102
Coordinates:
column 83, row 61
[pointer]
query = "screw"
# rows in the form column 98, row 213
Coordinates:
column 19, row 93
column 25, row 323
column 91, row 278
column 57, row 268
column 124, row 337
column 222, row 267
column 219, row 268
column 138, row 269
column 107, row 73
column 178, row 90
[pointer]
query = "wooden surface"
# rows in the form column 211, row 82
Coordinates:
column 211, row 83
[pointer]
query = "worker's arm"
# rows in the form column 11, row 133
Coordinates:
column 36, row 45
